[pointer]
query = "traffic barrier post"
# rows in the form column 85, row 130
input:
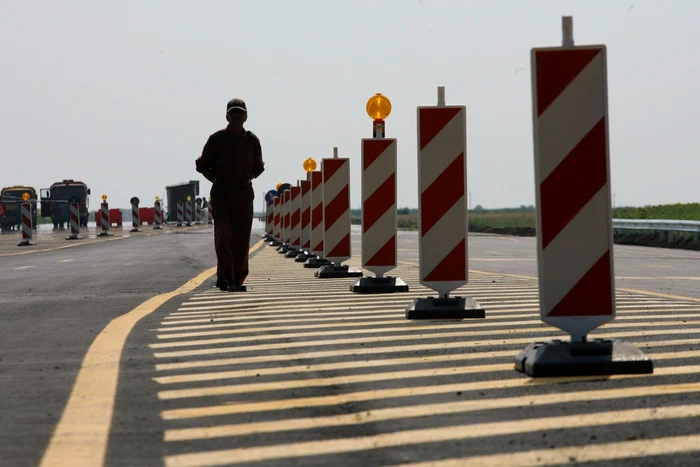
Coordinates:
column 188, row 212
column 336, row 216
column 157, row 215
column 269, row 219
column 316, row 260
column 104, row 218
column 74, row 222
column 284, row 243
column 574, row 214
column 442, row 207
column 294, row 222
column 379, row 217
column 305, row 250
column 135, row 219
column 276, row 224
column 180, row 213
column 26, row 215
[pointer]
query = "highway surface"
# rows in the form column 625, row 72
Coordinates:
column 120, row 352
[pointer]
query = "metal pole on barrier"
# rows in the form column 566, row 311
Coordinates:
column 379, row 216
column 26, row 218
column 180, row 213
column 442, row 207
column 104, row 218
column 316, row 260
column 336, row 216
column 305, row 251
column 574, row 213
column 74, row 222
column 294, row 222
column 157, row 214
column 135, row 215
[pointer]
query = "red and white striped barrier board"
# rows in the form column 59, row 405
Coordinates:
column 574, row 214
column 135, row 217
column 277, row 214
column 379, row 205
column 317, row 213
column 180, row 213
column 157, row 215
column 295, row 217
column 336, row 209
column 26, row 218
column 104, row 219
column 188, row 212
column 74, row 221
column 198, row 213
column 306, row 215
column 269, row 217
column 286, row 208
column 442, row 173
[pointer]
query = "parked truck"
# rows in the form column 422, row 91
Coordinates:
column 10, row 200
column 55, row 202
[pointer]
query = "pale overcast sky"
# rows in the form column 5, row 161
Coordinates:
column 123, row 94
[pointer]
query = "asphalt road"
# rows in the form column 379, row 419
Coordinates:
column 54, row 304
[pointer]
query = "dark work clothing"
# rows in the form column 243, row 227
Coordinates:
column 233, row 160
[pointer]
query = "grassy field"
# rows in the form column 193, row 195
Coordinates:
column 678, row 211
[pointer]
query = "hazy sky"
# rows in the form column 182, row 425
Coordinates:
column 123, row 94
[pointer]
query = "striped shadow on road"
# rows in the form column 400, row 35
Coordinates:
column 300, row 371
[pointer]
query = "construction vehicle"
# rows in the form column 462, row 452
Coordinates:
column 55, row 202
column 10, row 200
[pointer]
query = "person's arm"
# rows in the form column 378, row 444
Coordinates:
column 204, row 163
column 258, row 164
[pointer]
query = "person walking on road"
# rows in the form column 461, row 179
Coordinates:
column 231, row 158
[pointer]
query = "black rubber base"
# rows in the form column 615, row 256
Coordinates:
column 592, row 358
column 77, row 237
column 302, row 257
column 370, row 285
column 105, row 234
column 135, row 230
column 291, row 253
column 274, row 243
column 315, row 262
column 26, row 243
column 445, row 308
column 282, row 249
column 333, row 271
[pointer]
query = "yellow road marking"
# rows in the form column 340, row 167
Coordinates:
column 452, row 433
column 81, row 436
column 23, row 267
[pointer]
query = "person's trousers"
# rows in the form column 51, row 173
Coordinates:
column 233, row 221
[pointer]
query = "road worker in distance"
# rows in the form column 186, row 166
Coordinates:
column 231, row 158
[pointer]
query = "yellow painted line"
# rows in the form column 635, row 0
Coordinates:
column 414, row 329
column 413, row 337
column 82, row 433
column 598, row 452
column 428, row 410
column 379, row 353
column 401, row 392
column 43, row 250
column 423, row 436
column 66, row 260
column 23, row 267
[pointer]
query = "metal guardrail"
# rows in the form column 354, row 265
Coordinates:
column 666, row 228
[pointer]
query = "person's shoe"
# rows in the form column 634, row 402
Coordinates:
column 237, row 288
column 224, row 284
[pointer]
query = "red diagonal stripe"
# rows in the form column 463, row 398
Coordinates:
column 307, row 244
column 573, row 183
column 277, row 219
column 296, row 217
column 432, row 121
column 269, row 218
column 556, row 69
column 317, row 216
column 442, row 194
column 316, row 179
column 277, row 201
column 386, row 255
column 305, row 187
column 337, row 207
column 296, row 191
column 453, row 267
column 341, row 249
column 373, row 148
column 592, row 295
column 331, row 166
column 379, row 202
column 319, row 246
column 305, row 218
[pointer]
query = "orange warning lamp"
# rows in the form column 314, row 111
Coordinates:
column 277, row 187
column 189, row 198
column 309, row 165
column 157, row 198
column 378, row 107
column 104, row 198
column 25, row 196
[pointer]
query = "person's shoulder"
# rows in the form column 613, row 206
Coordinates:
column 217, row 134
column 252, row 135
